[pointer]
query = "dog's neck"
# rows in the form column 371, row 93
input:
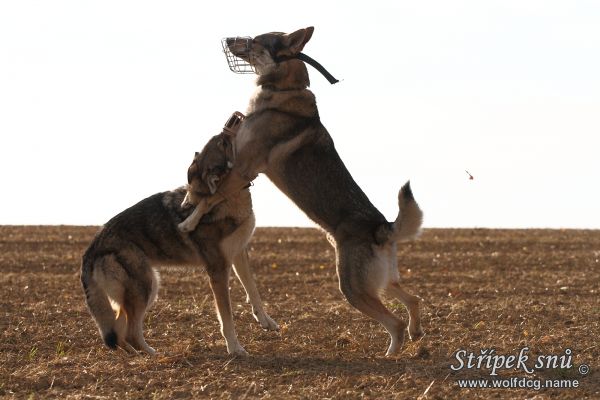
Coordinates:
column 299, row 103
column 287, row 76
column 285, row 89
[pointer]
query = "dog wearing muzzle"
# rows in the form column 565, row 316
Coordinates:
column 283, row 137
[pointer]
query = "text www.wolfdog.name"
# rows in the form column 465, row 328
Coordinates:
column 518, row 383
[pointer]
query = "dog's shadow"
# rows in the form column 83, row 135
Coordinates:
column 334, row 365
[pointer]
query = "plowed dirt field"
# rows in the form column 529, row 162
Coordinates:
column 482, row 289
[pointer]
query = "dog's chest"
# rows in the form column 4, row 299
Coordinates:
column 243, row 137
column 237, row 207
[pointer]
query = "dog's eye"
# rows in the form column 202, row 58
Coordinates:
column 216, row 170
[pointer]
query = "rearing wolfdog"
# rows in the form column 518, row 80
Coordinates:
column 117, row 271
column 283, row 137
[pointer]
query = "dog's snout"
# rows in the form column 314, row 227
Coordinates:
column 238, row 43
column 237, row 51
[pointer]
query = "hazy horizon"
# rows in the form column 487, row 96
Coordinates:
column 103, row 104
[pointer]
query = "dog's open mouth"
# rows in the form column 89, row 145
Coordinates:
column 241, row 45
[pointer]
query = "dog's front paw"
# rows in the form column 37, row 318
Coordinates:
column 149, row 350
column 185, row 227
column 267, row 322
column 238, row 351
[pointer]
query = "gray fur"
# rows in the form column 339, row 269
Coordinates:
column 283, row 137
column 117, row 271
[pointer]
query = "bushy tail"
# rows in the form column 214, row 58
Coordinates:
column 408, row 223
column 98, row 303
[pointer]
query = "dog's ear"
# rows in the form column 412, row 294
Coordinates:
column 295, row 41
column 211, row 181
column 226, row 145
column 192, row 170
column 222, row 143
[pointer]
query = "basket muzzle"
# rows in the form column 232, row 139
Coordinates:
column 242, row 46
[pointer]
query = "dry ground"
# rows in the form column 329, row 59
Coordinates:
column 501, row 289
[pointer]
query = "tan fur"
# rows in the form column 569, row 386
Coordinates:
column 282, row 136
column 117, row 271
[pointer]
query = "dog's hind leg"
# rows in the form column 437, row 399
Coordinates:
column 244, row 274
column 140, row 297
column 412, row 303
column 121, row 330
column 135, row 322
column 371, row 305
column 120, row 326
column 135, row 332
column 360, row 275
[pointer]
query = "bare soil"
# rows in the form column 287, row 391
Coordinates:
column 482, row 289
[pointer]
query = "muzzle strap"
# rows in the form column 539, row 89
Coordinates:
column 318, row 67
column 241, row 66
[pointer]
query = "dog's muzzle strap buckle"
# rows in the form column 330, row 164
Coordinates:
column 233, row 123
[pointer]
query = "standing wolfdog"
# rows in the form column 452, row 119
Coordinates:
column 117, row 271
column 283, row 137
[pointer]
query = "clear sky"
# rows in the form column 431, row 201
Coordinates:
column 104, row 103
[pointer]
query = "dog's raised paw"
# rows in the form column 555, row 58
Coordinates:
column 185, row 227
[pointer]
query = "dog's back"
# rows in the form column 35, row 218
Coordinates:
column 148, row 226
column 117, row 274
